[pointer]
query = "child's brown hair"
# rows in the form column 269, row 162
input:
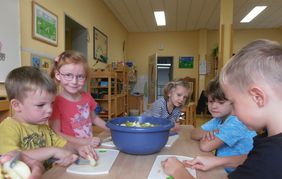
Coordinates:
column 69, row 57
column 27, row 78
column 214, row 91
column 173, row 84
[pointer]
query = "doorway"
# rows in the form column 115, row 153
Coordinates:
column 76, row 36
column 164, row 73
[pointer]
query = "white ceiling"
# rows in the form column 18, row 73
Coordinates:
column 184, row 15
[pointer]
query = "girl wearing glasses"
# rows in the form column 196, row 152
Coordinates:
column 73, row 109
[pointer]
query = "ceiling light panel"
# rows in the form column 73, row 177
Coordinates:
column 252, row 14
column 160, row 18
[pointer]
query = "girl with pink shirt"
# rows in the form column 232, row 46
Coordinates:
column 73, row 109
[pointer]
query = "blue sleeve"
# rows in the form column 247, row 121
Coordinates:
column 231, row 131
column 210, row 125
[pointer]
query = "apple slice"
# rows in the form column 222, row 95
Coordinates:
column 19, row 171
column 92, row 161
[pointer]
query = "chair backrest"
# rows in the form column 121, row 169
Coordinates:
column 192, row 83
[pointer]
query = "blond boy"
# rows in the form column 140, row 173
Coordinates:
column 252, row 81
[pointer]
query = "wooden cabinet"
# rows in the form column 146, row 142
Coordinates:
column 122, row 90
column 109, row 87
column 102, row 86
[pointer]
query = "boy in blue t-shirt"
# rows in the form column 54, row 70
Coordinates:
column 224, row 133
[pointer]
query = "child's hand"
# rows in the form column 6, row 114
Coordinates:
column 95, row 141
column 87, row 150
column 36, row 167
column 209, row 135
column 201, row 163
column 64, row 157
column 176, row 127
column 172, row 166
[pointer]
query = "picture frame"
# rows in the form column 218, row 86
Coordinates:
column 41, row 62
column 100, row 45
column 44, row 25
column 186, row 62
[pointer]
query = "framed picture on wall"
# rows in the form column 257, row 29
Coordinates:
column 100, row 46
column 186, row 62
column 44, row 25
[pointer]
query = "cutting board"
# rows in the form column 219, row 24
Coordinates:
column 171, row 140
column 169, row 143
column 157, row 171
column 104, row 163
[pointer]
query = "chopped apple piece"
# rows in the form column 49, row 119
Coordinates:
column 92, row 161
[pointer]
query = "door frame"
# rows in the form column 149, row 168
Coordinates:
column 152, row 78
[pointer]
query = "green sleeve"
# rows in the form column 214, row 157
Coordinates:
column 58, row 141
column 10, row 136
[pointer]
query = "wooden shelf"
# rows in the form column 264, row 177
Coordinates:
column 104, row 99
column 106, row 115
column 116, row 86
column 103, row 73
column 101, row 87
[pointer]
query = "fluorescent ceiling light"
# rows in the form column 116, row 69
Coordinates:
column 160, row 18
column 163, row 64
column 252, row 14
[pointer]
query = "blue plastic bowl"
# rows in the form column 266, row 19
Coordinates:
column 140, row 140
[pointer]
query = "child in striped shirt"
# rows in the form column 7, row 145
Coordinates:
column 169, row 106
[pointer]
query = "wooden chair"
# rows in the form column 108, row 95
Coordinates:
column 192, row 83
column 190, row 109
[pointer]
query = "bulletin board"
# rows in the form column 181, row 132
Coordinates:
column 9, row 37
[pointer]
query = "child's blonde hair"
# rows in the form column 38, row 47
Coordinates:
column 173, row 84
column 69, row 57
column 27, row 78
column 259, row 61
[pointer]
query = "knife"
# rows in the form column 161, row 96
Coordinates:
column 14, row 159
column 79, row 161
column 82, row 161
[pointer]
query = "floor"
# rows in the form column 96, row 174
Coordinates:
column 200, row 119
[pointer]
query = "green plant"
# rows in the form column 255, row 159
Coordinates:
column 215, row 52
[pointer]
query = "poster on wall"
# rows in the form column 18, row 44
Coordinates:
column 186, row 62
column 40, row 62
column 9, row 37
column 203, row 67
